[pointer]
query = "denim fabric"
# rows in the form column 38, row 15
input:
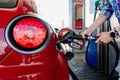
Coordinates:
column 111, row 6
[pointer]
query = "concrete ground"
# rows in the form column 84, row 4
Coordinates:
column 82, row 70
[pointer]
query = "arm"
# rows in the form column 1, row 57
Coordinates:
column 105, row 14
column 102, row 18
column 94, row 25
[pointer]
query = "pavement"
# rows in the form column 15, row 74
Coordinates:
column 82, row 70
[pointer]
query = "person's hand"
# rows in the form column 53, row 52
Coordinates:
column 104, row 37
column 86, row 32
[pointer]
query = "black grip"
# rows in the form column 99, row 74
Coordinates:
column 87, row 37
column 70, row 36
column 78, row 37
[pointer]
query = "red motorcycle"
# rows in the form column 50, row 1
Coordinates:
column 28, row 48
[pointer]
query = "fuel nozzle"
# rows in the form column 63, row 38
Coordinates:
column 67, row 38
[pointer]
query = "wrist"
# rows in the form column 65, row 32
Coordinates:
column 90, row 30
column 112, row 34
column 115, row 32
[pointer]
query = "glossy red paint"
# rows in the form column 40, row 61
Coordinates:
column 48, row 64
